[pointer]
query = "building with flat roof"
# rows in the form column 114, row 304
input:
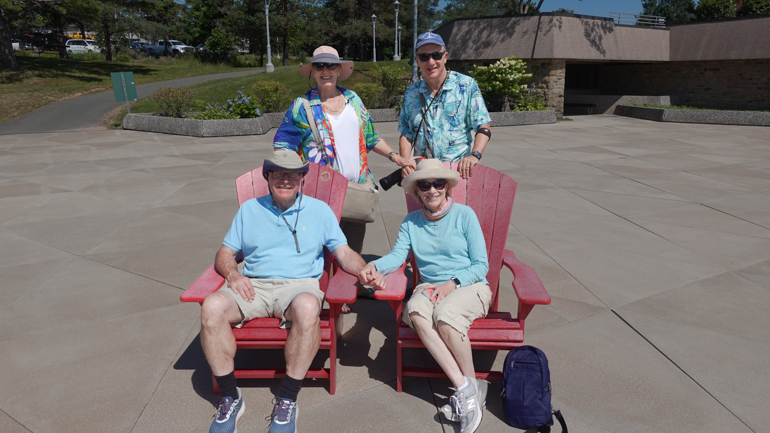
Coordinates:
column 590, row 64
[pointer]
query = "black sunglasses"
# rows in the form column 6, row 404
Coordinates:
column 424, row 57
column 329, row 66
column 424, row 185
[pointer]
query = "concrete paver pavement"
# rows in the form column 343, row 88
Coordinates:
column 652, row 238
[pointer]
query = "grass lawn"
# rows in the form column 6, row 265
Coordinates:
column 220, row 91
column 44, row 80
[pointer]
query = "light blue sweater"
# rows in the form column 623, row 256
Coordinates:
column 454, row 247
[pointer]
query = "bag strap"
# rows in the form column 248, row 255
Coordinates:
column 428, row 150
column 314, row 128
column 560, row 418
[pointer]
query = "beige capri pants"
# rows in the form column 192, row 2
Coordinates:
column 459, row 309
column 273, row 296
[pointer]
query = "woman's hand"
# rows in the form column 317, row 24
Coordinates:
column 441, row 291
column 369, row 276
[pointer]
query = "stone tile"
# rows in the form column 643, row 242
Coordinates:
column 23, row 188
column 605, row 375
column 630, row 167
column 678, row 161
column 625, row 205
column 12, row 207
column 19, row 279
column 10, row 425
column 136, row 188
column 176, row 263
column 203, row 191
column 589, row 153
column 74, row 223
column 83, row 292
column 554, row 209
column 754, row 207
column 16, row 251
column 758, row 273
column 217, row 213
column 688, row 323
column 619, row 262
column 705, row 218
column 113, row 365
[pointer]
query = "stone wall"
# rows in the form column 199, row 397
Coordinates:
column 548, row 77
column 725, row 84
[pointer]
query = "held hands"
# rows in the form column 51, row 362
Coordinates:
column 465, row 167
column 241, row 285
column 440, row 291
column 369, row 276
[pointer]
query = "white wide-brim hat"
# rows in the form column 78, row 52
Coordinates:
column 327, row 54
column 430, row 169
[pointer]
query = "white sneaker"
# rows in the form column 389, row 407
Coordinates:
column 467, row 404
column 449, row 413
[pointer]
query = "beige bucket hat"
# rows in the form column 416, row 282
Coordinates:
column 430, row 169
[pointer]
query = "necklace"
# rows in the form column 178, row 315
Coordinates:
column 337, row 110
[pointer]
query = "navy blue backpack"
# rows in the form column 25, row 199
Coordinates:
column 526, row 391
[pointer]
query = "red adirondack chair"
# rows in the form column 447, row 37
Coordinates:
column 326, row 185
column 490, row 194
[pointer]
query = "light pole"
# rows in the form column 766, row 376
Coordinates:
column 269, row 67
column 414, row 46
column 396, row 55
column 374, row 39
column 399, row 42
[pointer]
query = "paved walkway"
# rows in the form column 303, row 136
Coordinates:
column 87, row 112
column 652, row 238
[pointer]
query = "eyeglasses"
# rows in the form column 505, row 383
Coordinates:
column 424, row 185
column 329, row 66
column 424, row 57
column 280, row 175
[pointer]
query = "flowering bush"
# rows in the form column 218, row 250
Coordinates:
column 215, row 111
column 503, row 82
column 173, row 101
column 241, row 107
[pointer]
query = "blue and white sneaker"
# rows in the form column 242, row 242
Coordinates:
column 284, row 417
column 448, row 411
column 228, row 413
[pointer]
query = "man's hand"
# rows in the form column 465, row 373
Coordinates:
column 465, row 167
column 441, row 291
column 404, row 162
column 369, row 276
column 241, row 285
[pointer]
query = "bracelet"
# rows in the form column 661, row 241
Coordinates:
column 485, row 131
column 390, row 155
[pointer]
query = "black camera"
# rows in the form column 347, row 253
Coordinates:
column 394, row 178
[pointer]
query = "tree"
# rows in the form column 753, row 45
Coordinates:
column 675, row 11
column 164, row 17
column 754, row 7
column 715, row 9
column 7, row 8
column 203, row 16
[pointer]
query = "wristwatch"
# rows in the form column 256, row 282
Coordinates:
column 477, row 154
column 457, row 282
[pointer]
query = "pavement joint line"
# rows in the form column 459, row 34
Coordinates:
column 737, row 217
column 15, row 420
column 681, row 369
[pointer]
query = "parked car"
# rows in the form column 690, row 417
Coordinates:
column 82, row 46
column 201, row 48
column 175, row 47
column 139, row 46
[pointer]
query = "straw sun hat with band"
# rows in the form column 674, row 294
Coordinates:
column 429, row 169
column 283, row 160
column 327, row 54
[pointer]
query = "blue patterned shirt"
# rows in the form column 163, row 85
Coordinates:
column 459, row 109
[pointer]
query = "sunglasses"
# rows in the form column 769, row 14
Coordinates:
column 329, row 66
column 424, row 57
column 280, row 175
column 424, row 185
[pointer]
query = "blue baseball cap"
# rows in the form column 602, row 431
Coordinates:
column 429, row 38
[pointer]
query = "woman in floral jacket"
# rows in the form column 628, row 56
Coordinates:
column 343, row 124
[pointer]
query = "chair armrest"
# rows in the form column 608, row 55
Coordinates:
column 527, row 285
column 342, row 287
column 209, row 282
column 395, row 286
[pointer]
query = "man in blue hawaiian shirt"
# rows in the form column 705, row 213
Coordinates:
column 454, row 107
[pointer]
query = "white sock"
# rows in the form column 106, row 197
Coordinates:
column 464, row 385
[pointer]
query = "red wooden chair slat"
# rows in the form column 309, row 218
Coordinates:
column 330, row 187
column 490, row 194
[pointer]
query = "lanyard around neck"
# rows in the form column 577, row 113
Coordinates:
column 293, row 230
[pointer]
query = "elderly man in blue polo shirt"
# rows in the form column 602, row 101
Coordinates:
column 454, row 107
column 281, row 237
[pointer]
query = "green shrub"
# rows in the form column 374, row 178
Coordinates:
column 394, row 80
column 503, row 82
column 271, row 96
column 215, row 111
column 715, row 9
column 243, row 106
column 173, row 101
column 373, row 95
column 755, row 7
column 531, row 100
column 219, row 45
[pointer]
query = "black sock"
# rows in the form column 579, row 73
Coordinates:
column 290, row 388
column 227, row 386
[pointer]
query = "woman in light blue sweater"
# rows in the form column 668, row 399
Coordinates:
column 451, row 255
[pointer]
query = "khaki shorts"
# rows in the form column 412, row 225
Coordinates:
column 273, row 296
column 458, row 310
